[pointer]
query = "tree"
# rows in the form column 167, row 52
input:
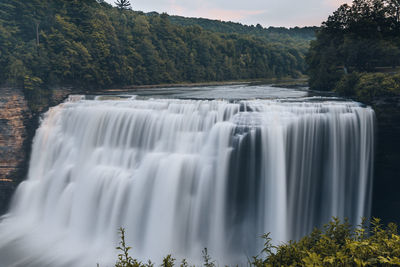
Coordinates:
column 356, row 38
column 123, row 4
column 81, row 43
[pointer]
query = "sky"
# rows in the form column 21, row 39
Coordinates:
column 286, row 13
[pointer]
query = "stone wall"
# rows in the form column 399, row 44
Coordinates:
column 14, row 115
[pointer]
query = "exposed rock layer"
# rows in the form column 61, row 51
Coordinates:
column 14, row 116
column 17, row 128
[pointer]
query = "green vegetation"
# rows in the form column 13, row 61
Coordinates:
column 368, row 86
column 363, row 37
column 337, row 244
column 125, row 260
column 90, row 44
column 272, row 34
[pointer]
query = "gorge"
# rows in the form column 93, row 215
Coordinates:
column 184, row 174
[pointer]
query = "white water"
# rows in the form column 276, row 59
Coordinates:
column 182, row 175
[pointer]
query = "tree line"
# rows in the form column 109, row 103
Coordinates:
column 90, row 44
column 280, row 34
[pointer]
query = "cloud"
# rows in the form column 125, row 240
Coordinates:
column 336, row 3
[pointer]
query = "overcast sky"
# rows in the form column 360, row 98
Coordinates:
column 287, row 13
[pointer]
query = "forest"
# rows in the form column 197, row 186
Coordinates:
column 357, row 50
column 90, row 44
column 279, row 34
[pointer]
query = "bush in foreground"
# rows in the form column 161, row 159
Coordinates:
column 336, row 244
column 125, row 260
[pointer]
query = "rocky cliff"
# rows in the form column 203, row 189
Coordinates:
column 14, row 117
column 17, row 128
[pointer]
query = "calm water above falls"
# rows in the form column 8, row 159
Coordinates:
column 231, row 92
column 182, row 175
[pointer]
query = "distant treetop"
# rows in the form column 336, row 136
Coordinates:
column 123, row 4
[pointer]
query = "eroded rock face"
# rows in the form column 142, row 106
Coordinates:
column 14, row 115
column 17, row 129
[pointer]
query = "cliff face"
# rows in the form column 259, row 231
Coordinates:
column 386, row 192
column 14, row 117
column 17, row 129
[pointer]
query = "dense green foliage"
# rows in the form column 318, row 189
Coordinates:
column 91, row 44
column 368, row 86
column 289, row 38
column 363, row 37
column 337, row 244
column 278, row 34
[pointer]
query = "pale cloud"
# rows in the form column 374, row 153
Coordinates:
column 286, row 13
column 337, row 3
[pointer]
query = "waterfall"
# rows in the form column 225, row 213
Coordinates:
column 183, row 175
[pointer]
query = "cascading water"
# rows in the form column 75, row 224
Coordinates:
column 182, row 175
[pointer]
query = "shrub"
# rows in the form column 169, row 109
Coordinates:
column 125, row 260
column 373, row 85
column 338, row 244
column 367, row 87
column 347, row 84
